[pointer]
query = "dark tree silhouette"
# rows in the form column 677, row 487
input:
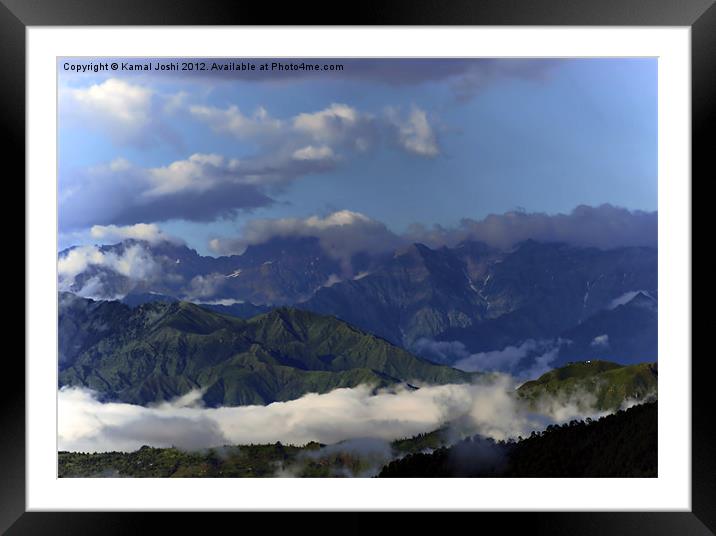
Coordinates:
column 620, row 445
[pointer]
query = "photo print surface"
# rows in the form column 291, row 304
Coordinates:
column 328, row 267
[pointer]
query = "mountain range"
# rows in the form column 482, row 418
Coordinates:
column 590, row 303
column 278, row 272
column 158, row 351
column 489, row 299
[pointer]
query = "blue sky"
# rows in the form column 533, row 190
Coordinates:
column 201, row 155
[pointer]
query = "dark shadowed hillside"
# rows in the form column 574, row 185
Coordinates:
column 489, row 299
column 620, row 445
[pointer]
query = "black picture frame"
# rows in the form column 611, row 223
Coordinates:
column 699, row 15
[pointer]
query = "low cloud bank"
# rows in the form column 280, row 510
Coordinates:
column 149, row 232
column 605, row 226
column 345, row 233
column 487, row 407
column 355, row 458
column 529, row 359
column 341, row 234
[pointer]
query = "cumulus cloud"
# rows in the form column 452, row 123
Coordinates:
column 149, row 232
column 134, row 263
column 336, row 122
column 116, row 100
column 605, row 226
column 202, row 187
column 325, row 134
column 205, row 187
column 345, row 233
column 232, row 121
column 488, row 408
column 341, row 234
column 322, row 135
column 198, row 173
column 128, row 113
column 414, row 133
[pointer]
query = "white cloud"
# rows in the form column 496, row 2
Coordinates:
column 116, row 100
column 205, row 187
column 306, row 136
column 341, row 234
column 198, row 173
column 149, row 232
column 600, row 341
column 337, row 219
column 205, row 286
column 232, row 121
column 414, row 132
column 330, row 124
column 487, row 407
column 313, row 153
column 134, row 263
column 202, row 187
column 128, row 113
column 345, row 231
column 605, row 226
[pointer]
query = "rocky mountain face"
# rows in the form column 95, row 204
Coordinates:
column 488, row 300
column 599, row 304
column 279, row 272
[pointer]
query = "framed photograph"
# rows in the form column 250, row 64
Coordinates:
column 436, row 260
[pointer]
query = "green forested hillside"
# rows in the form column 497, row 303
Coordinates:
column 267, row 460
column 158, row 351
column 600, row 384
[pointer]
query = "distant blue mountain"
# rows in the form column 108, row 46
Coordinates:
column 604, row 302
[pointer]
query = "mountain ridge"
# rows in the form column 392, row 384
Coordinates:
column 159, row 351
column 484, row 298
